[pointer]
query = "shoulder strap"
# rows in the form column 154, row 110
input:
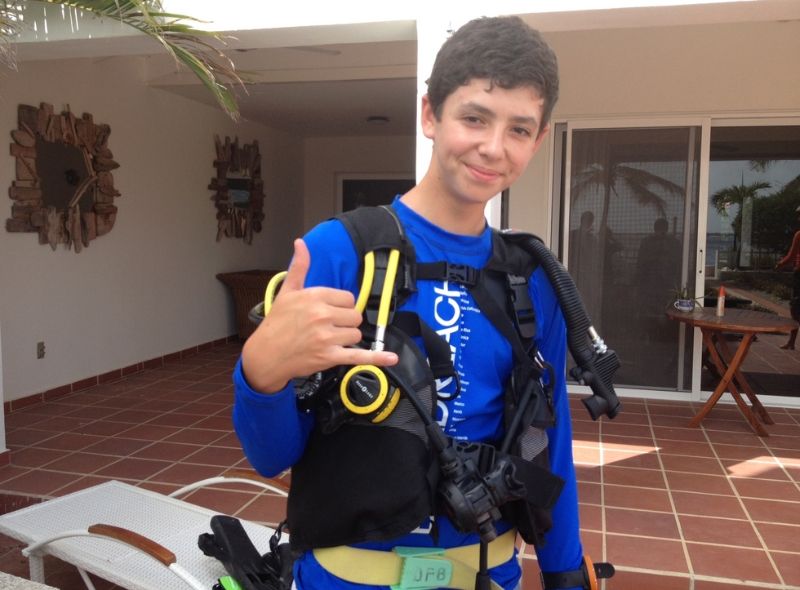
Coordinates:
column 374, row 229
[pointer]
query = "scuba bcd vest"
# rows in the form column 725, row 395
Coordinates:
column 377, row 463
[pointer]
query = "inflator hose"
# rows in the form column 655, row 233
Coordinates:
column 596, row 363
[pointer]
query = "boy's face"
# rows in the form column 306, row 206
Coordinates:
column 483, row 140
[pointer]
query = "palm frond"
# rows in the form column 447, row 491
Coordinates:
column 10, row 19
column 199, row 50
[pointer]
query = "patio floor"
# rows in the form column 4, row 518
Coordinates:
column 673, row 507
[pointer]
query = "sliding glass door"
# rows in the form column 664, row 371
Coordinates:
column 753, row 196
column 629, row 237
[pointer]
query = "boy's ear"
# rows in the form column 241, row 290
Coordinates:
column 540, row 138
column 427, row 118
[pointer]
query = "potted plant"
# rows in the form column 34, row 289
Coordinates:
column 683, row 301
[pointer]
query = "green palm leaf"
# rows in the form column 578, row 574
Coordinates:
column 198, row 50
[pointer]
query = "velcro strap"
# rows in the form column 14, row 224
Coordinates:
column 542, row 485
column 386, row 568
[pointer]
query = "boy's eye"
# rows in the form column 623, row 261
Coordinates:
column 522, row 131
column 473, row 119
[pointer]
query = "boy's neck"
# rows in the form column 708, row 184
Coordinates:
column 449, row 215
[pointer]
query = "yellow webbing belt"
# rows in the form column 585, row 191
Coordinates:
column 384, row 568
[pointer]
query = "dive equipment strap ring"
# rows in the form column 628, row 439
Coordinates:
column 586, row 577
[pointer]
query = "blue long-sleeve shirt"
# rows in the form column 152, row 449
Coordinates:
column 273, row 432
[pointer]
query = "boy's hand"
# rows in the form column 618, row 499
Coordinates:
column 307, row 330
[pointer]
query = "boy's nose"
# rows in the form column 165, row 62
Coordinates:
column 492, row 145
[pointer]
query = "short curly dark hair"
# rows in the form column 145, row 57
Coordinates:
column 502, row 49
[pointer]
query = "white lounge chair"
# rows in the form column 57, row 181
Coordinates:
column 135, row 538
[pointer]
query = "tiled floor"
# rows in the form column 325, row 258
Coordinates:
column 674, row 508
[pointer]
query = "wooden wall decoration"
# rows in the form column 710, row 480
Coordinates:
column 64, row 189
column 238, row 189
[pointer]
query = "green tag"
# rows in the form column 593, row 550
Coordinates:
column 229, row 583
column 421, row 572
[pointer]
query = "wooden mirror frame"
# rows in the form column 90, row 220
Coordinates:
column 233, row 220
column 30, row 211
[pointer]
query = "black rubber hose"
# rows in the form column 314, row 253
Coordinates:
column 595, row 368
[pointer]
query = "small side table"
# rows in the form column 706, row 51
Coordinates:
column 247, row 287
column 737, row 321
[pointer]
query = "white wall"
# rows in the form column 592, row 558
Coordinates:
column 325, row 157
column 148, row 287
column 708, row 70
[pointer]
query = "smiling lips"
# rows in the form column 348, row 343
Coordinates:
column 483, row 174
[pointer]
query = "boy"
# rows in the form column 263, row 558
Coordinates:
column 489, row 100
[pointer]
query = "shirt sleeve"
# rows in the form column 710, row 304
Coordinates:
column 563, row 550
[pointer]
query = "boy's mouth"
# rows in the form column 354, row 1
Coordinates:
column 483, row 174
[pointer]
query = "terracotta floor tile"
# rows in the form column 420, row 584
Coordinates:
column 23, row 437
column 773, row 511
column 707, row 505
column 623, row 580
column 586, row 455
column 681, row 447
column 702, row 465
column 197, row 436
column 266, row 508
column 39, row 482
column 731, row 562
column 179, row 420
column 631, row 476
column 117, row 446
column 183, row 473
column 763, row 467
column 588, row 473
column 766, row 488
column 638, row 498
column 34, row 457
column 222, row 456
column 643, row 523
column 740, row 452
column 591, row 517
column 166, row 451
column 590, row 493
column 642, row 552
column 645, row 460
column 622, row 429
column 130, row 468
column 723, row 531
column 215, row 423
column 592, row 543
column 680, row 434
column 149, row 432
column 696, row 482
column 81, row 463
column 780, row 537
column 789, row 567
column 222, row 501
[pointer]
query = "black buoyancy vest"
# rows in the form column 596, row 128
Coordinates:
column 376, row 482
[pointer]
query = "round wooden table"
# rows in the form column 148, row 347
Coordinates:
column 747, row 323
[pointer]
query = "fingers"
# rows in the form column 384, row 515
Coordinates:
column 298, row 269
column 359, row 356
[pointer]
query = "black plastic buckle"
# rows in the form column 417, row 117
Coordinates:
column 524, row 316
column 461, row 273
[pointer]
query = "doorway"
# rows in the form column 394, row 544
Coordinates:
column 753, row 196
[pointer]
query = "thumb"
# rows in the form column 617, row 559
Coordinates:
column 296, row 277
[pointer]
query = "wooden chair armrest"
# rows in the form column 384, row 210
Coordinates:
column 153, row 549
